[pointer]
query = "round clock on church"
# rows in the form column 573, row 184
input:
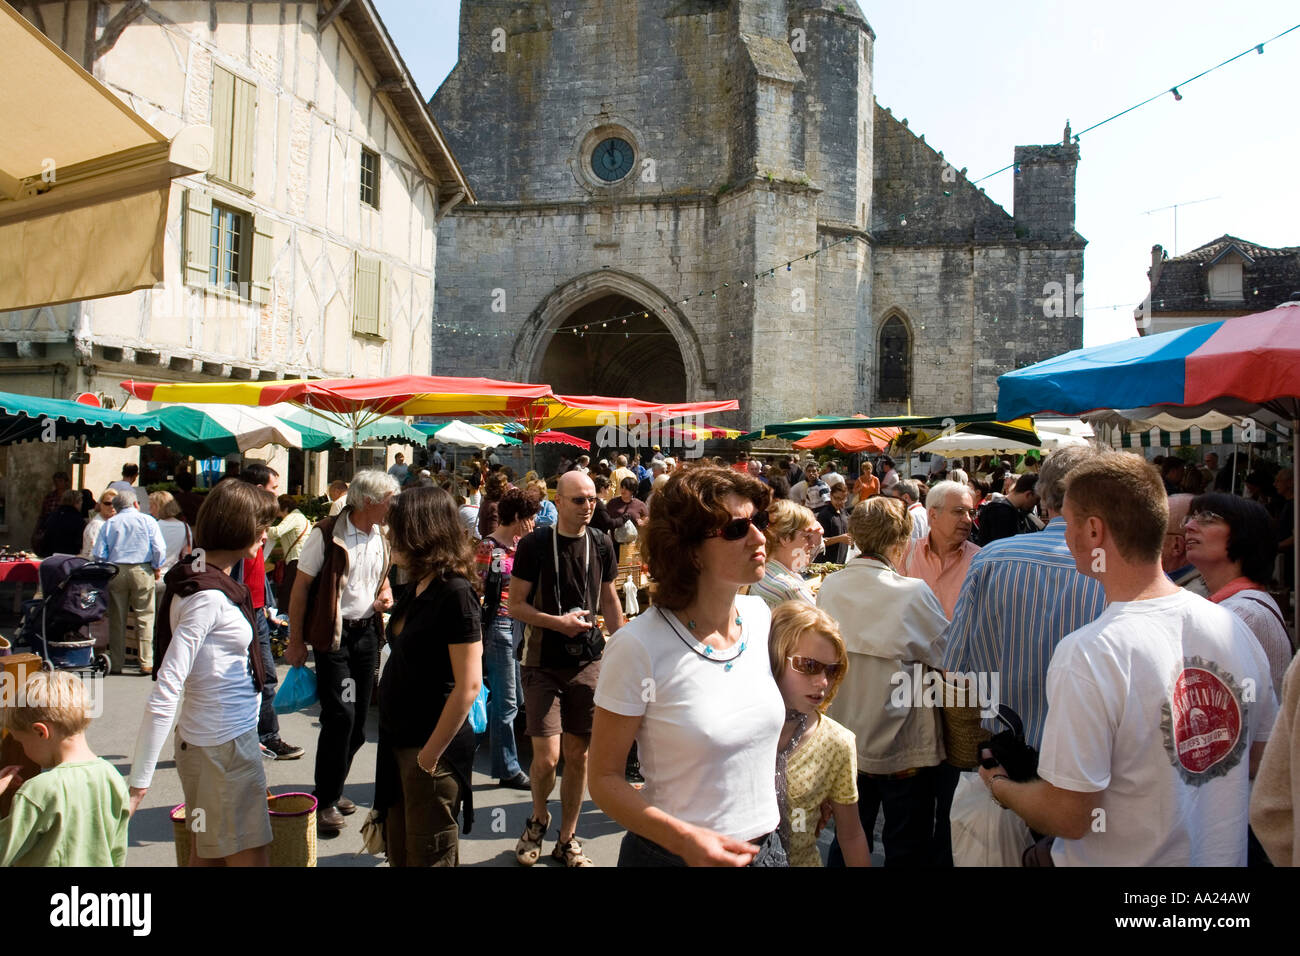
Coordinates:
column 612, row 159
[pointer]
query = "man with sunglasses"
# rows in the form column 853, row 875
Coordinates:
column 560, row 576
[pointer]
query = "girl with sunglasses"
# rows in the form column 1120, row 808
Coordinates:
column 689, row 681
column 817, row 760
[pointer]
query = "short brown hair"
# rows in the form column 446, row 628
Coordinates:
column 686, row 509
column 56, row 699
column 1127, row 493
column 425, row 527
column 517, row 503
column 880, row 524
column 790, row 621
column 233, row 516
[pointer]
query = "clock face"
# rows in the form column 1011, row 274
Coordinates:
column 612, row 160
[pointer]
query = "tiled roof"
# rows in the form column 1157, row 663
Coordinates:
column 1269, row 277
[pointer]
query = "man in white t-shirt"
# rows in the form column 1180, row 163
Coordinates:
column 1158, row 710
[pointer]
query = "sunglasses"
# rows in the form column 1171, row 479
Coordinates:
column 737, row 528
column 584, row 502
column 812, row 667
column 1203, row 517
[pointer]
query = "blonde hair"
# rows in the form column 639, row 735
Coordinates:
column 880, row 524
column 164, row 505
column 791, row 621
column 787, row 520
column 54, row 698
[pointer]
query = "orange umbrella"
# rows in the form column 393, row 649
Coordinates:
column 850, row 440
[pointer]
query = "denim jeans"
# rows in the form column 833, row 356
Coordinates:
column 638, row 851
column 916, row 831
column 501, row 671
column 268, row 724
column 344, row 681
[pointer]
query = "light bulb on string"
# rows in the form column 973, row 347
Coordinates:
column 1178, row 97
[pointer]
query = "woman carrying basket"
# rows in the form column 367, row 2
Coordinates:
column 205, row 631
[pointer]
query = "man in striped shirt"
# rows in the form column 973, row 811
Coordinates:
column 1021, row 596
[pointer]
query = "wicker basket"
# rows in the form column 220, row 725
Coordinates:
column 962, row 733
column 293, row 830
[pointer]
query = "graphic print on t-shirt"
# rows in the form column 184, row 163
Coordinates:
column 1202, row 722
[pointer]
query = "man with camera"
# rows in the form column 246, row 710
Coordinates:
column 560, row 576
column 1158, row 710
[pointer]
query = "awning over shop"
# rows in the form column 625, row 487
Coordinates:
column 80, row 174
column 30, row 418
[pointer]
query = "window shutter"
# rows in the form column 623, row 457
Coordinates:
column 223, row 106
column 385, row 328
column 365, row 302
column 197, row 253
column 263, row 242
column 243, row 132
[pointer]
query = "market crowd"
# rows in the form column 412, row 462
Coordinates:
column 1115, row 621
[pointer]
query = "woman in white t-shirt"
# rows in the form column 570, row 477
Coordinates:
column 1232, row 544
column 690, row 682
column 175, row 532
column 206, row 658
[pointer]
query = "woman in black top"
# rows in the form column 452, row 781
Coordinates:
column 426, row 745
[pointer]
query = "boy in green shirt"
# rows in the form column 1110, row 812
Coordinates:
column 76, row 812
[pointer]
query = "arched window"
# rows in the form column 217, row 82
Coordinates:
column 894, row 361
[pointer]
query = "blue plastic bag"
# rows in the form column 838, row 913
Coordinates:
column 478, row 711
column 297, row 691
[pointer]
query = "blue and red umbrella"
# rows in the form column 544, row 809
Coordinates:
column 1231, row 365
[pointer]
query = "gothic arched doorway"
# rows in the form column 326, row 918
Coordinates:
column 615, row 346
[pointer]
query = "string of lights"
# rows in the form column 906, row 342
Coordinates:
column 601, row 327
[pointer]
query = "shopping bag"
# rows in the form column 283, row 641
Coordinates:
column 297, row 691
column 984, row 834
column 478, row 711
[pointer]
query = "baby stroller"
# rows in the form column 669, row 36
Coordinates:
column 57, row 625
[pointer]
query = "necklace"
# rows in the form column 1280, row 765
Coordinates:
column 707, row 653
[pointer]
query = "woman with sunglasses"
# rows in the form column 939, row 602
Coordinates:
column 817, row 759
column 892, row 625
column 689, row 681
column 794, row 536
column 1231, row 542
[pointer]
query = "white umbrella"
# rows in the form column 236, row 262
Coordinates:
column 968, row 443
column 467, row 436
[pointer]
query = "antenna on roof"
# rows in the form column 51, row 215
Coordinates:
column 1174, row 207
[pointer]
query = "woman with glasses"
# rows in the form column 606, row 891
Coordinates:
column 689, row 680
column 892, row 625
column 794, row 536
column 103, row 511
column 1231, row 542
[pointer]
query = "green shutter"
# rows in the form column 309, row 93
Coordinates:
column 223, row 111
column 243, row 132
column 385, row 275
column 197, row 252
column 365, row 297
column 263, row 248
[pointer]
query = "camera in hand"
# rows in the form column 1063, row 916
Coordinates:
column 1016, row 757
column 587, row 646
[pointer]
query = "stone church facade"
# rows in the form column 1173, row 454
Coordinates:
column 654, row 178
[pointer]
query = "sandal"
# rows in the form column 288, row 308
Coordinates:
column 570, row 854
column 529, row 848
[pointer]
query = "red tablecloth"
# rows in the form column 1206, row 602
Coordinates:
column 20, row 572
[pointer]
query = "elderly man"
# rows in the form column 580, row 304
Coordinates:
column 621, row 471
column 133, row 541
column 942, row 558
column 560, row 576
column 1021, row 597
column 339, row 595
column 908, row 491
column 338, row 495
column 646, row 485
column 1173, row 556
column 1158, row 710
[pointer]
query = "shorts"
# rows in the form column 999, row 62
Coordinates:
column 560, row 699
column 225, row 795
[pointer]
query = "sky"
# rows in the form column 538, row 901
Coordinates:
column 979, row 79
